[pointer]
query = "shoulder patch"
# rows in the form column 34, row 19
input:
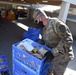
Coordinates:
column 62, row 28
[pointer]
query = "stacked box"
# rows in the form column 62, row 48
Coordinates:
column 33, row 65
column 4, row 69
column 32, row 33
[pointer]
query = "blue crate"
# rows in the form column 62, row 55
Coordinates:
column 45, row 70
column 32, row 33
column 4, row 69
column 25, row 58
column 19, row 69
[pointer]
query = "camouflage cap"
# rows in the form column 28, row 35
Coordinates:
column 37, row 12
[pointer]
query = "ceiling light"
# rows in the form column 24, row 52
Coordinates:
column 22, row 0
column 45, row 1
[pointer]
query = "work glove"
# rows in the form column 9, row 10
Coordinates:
column 41, row 41
column 48, row 56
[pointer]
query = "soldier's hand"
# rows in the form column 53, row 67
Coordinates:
column 48, row 56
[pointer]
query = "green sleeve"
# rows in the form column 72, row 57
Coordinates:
column 65, row 44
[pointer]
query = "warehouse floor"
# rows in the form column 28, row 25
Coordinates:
column 11, row 32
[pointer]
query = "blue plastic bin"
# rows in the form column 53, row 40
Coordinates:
column 32, row 33
column 45, row 70
column 4, row 69
column 19, row 69
column 24, row 58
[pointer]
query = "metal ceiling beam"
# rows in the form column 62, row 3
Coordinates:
column 3, row 2
column 18, row 2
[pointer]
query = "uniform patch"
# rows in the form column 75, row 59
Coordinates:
column 62, row 28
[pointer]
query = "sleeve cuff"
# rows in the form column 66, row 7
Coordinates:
column 55, row 51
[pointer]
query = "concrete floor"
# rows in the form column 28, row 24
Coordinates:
column 11, row 33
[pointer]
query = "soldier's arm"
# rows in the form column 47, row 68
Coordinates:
column 66, row 39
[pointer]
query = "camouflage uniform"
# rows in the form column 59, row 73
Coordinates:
column 58, row 36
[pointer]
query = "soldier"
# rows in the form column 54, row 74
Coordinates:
column 57, row 36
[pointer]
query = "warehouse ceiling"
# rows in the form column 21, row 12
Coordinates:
column 51, row 2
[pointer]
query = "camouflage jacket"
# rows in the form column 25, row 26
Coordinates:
column 58, row 36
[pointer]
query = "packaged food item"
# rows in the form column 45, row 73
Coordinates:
column 39, row 53
column 21, row 46
column 34, row 50
column 42, row 51
column 25, row 46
